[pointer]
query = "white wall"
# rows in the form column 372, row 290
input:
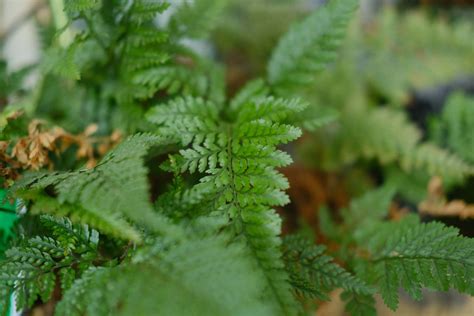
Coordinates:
column 22, row 47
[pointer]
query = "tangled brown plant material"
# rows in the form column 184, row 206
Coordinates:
column 33, row 151
column 436, row 203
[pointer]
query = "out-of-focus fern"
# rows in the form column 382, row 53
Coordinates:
column 455, row 128
column 96, row 196
column 32, row 268
column 208, row 240
column 172, row 79
column 413, row 256
column 79, row 5
column 187, row 279
column 386, row 135
column 60, row 61
column 310, row 45
column 134, row 58
column 411, row 51
column 406, row 254
column 314, row 275
column 374, row 71
column 196, row 18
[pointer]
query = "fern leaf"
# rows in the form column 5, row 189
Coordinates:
column 310, row 45
column 143, row 11
column 144, row 36
column 73, row 6
column 238, row 159
column 415, row 255
column 5, row 293
column 196, row 18
column 359, row 305
column 136, row 59
column 456, row 126
column 373, row 205
column 172, row 79
column 60, row 61
column 184, row 280
column 116, row 187
column 269, row 108
column 188, row 119
column 254, row 89
column 313, row 273
column 30, row 268
column 436, row 161
column 106, row 221
column 387, row 135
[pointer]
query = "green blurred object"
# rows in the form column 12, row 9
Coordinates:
column 7, row 220
column 7, row 217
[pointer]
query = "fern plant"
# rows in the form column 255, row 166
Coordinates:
column 181, row 216
column 370, row 88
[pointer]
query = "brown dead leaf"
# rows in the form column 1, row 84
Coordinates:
column 33, row 151
column 436, row 203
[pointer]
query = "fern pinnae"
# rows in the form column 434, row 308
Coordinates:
column 309, row 46
column 238, row 157
column 95, row 196
column 418, row 255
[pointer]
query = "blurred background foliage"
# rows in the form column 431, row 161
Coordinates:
column 405, row 71
column 402, row 90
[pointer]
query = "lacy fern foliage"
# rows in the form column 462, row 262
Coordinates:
column 310, row 45
column 95, row 196
column 32, row 268
column 235, row 150
column 183, row 215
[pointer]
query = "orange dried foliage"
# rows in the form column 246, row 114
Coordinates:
column 8, row 166
column 310, row 189
column 32, row 152
column 436, row 203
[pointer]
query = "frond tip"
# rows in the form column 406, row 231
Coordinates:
column 310, row 45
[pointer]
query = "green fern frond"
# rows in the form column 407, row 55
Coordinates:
column 196, row 18
column 314, row 118
column 455, row 128
column 373, row 205
column 269, row 108
column 106, row 221
column 310, row 45
column 359, row 305
column 187, row 119
column 314, row 274
column 252, row 90
column 414, row 255
column 238, row 163
column 136, row 59
column 5, row 294
column 144, row 36
column 31, row 268
column 72, row 6
column 436, row 161
column 143, row 11
column 386, row 134
column 172, row 79
column 179, row 201
column 99, row 192
column 395, row 135
column 184, row 280
column 60, row 61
